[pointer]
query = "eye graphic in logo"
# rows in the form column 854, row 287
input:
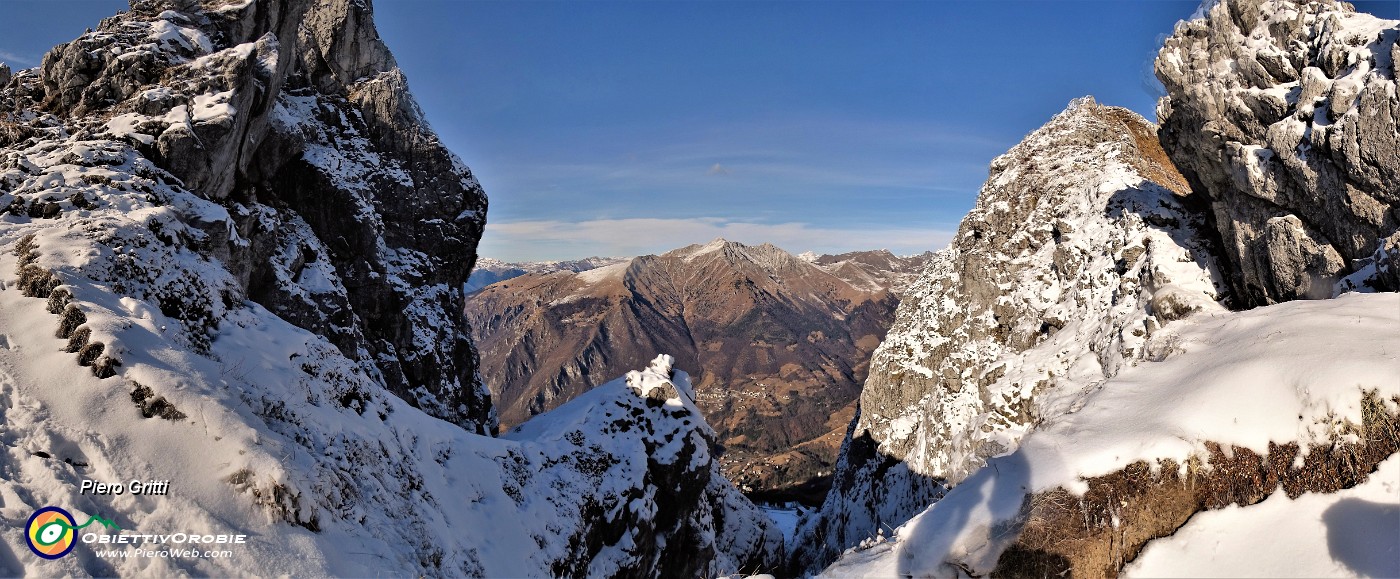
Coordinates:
column 51, row 532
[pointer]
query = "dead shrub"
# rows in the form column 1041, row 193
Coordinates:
column 35, row 281
column 77, row 340
column 89, row 353
column 152, row 406
column 59, row 299
column 24, row 250
column 70, row 320
column 279, row 499
column 106, row 367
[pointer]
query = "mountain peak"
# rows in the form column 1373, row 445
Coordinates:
column 766, row 256
column 779, row 343
column 695, row 250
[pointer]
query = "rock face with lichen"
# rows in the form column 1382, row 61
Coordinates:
column 1284, row 114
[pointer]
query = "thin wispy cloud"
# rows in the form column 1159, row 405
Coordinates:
column 765, row 165
column 16, row 60
column 551, row 239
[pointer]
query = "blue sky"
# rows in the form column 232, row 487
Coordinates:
column 621, row 128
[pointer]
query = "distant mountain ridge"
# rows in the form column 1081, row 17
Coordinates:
column 875, row 270
column 779, row 343
column 878, row 269
column 489, row 271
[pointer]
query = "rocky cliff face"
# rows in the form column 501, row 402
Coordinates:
column 344, row 213
column 1081, row 246
column 234, row 255
column 1284, row 115
column 780, row 345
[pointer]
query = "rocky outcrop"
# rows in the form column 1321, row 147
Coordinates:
column 344, row 213
column 780, row 346
column 1081, row 242
column 1231, row 409
column 1082, row 245
column 655, row 464
column 1284, row 114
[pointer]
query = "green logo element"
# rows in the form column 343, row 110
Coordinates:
column 51, row 533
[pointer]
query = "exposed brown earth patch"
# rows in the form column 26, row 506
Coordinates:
column 1151, row 161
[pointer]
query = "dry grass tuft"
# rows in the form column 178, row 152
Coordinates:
column 1097, row 534
column 1152, row 161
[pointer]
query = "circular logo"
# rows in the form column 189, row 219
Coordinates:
column 50, row 532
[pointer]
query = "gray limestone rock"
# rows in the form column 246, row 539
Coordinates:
column 1294, row 143
column 221, row 164
column 294, row 116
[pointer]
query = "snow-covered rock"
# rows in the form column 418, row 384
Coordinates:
column 1283, row 113
column 317, row 184
column 1233, row 407
column 1082, row 405
column 1081, row 247
column 1351, row 532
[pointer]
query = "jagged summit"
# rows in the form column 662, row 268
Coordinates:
column 765, row 255
column 276, row 117
column 1070, row 237
column 697, row 249
column 1073, row 256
